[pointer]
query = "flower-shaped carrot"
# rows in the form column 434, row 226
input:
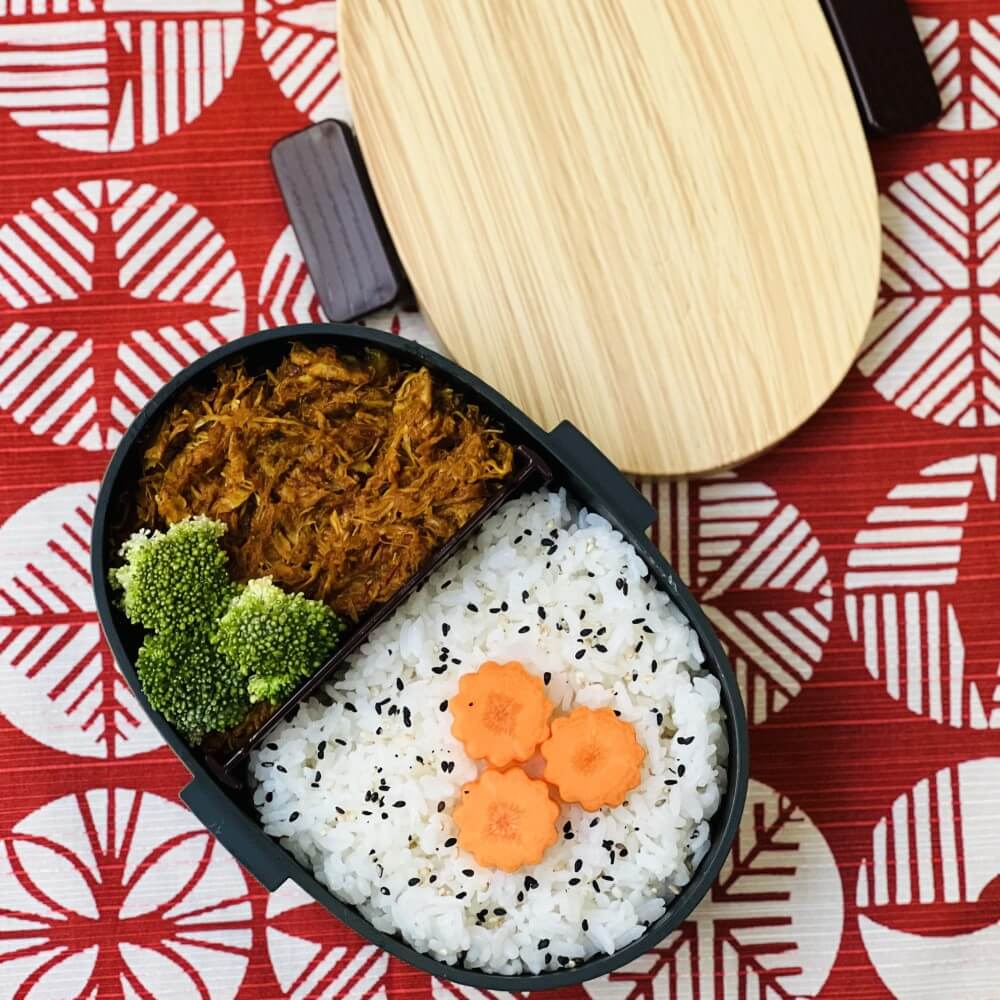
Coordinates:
column 501, row 713
column 506, row 819
column 593, row 758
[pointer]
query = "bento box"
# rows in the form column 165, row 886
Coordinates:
column 225, row 779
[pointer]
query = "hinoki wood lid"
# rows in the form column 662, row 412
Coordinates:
column 656, row 219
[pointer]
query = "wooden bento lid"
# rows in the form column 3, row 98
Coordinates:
column 656, row 219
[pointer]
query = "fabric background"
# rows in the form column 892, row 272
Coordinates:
column 852, row 571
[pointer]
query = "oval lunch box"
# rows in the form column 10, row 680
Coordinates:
column 218, row 793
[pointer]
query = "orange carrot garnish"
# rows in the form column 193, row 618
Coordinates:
column 501, row 713
column 506, row 819
column 593, row 758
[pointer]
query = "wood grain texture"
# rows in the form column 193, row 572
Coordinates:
column 656, row 218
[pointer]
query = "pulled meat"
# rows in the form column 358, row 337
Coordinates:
column 335, row 476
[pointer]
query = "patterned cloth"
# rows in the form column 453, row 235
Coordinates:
column 852, row 572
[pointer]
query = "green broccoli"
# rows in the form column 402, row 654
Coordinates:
column 276, row 639
column 175, row 581
column 187, row 680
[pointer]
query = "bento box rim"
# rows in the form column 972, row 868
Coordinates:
column 731, row 809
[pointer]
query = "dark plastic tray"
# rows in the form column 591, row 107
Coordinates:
column 219, row 799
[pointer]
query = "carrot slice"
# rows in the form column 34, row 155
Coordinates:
column 593, row 758
column 501, row 713
column 506, row 819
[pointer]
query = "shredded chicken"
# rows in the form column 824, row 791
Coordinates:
column 335, row 476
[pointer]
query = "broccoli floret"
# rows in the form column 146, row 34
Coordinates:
column 189, row 682
column 177, row 580
column 275, row 638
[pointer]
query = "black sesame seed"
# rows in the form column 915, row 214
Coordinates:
column 623, row 853
column 438, row 670
column 272, row 746
column 456, row 661
column 420, row 759
column 619, row 583
column 524, row 595
column 461, row 895
column 443, row 707
column 638, row 621
column 647, row 630
column 563, row 960
column 413, row 881
column 495, row 611
column 541, row 612
column 520, row 897
column 343, row 743
column 450, row 842
column 685, row 740
column 530, row 882
column 577, row 865
column 267, row 763
column 585, row 925
column 543, row 944
column 399, row 684
column 499, row 911
column 468, row 872
column 596, row 885
column 612, row 857
column 583, row 613
column 580, row 654
column 446, row 584
column 349, row 706
column 600, row 648
column 574, row 881
column 586, row 631
column 546, row 677
column 445, row 628
column 638, row 646
column 594, row 822
column 653, row 666
column 472, row 607
column 282, row 769
column 524, row 630
column 321, row 749
column 432, row 879
column 519, row 539
column 441, row 806
column 407, row 718
column 567, row 826
column 384, row 891
column 340, row 811
column 378, row 732
column 365, row 812
column 398, row 804
column 659, row 718
column 482, row 915
column 608, row 878
column 680, row 770
column 443, row 656
column 618, row 714
column 269, row 797
column 548, row 958
column 504, row 606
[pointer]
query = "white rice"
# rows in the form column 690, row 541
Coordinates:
column 365, row 812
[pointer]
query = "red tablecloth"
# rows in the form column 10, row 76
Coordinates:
column 853, row 571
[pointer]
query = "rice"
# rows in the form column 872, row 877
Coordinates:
column 360, row 785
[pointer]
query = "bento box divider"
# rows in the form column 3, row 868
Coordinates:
column 530, row 470
column 594, row 475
